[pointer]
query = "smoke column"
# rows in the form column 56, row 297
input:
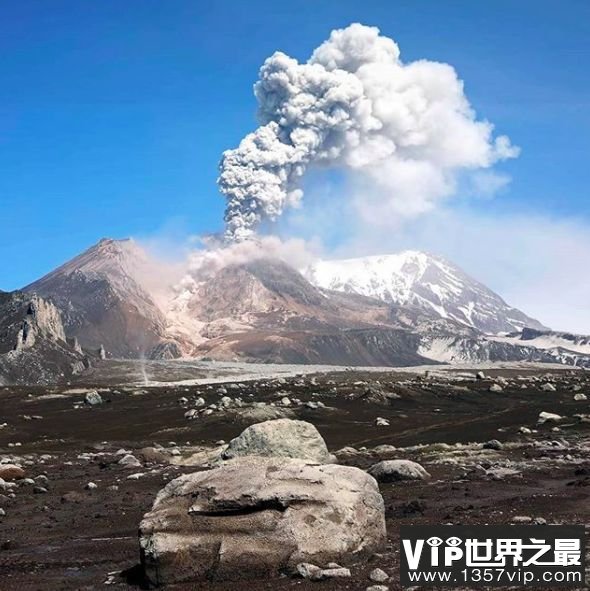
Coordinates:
column 407, row 129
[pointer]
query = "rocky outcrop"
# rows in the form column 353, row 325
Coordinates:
column 165, row 350
column 33, row 344
column 39, row 320
column 257, row 517
column 283, row 438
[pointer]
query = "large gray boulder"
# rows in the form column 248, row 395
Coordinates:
column 395, row 470
column 257, row 517
column 282, row 438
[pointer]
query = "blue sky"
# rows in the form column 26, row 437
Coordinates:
column 113, row 115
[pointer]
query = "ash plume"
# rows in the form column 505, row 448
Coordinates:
column 406, row 129
column 204, row 263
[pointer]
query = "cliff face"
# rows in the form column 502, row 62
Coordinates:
column 33, row 344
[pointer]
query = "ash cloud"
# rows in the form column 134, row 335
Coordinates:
column 404, row 131
column 204, row 263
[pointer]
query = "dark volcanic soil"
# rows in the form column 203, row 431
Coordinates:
column 72, row 538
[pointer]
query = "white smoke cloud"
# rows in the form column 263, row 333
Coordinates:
column 203, row 264
column 404, row 130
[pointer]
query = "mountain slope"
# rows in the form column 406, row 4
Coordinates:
column 265, row 310
column 426, row 282
column 104, row 299
column 403, row 309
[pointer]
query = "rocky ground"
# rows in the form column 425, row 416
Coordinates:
column 91, row 471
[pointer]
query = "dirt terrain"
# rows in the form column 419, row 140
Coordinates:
column 57, row 534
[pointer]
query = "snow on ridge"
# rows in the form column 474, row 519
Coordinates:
column 422, row 280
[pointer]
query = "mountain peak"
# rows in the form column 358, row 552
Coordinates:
column 107, row 297
column 422, row 280
column 117, row 259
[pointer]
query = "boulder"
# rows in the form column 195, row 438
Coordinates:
column 93, row 398
column 548, row 417
column 396, row 470
column 259, row 517
column 10, row 472
column 130, row 461
column 493, row 444
column 282, row 438
column 378, row 575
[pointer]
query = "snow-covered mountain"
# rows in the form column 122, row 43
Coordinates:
column 424, row 281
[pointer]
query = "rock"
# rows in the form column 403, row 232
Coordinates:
column 346, row 452
column 493, row 444
column 378, row 588
column 548, row 388
column 130, row 461
column 283, row 438
column 199, row 402
column 2, row 512
column 496, row 388
column 315, row 573
column 381, row 422
column 524, row 430
column 545, row 417
column 522, row 519
column 254, row 517
column 378, row 576
column 314, row 404
column 91, row 486
column 384, row 448
column 10, row 472
column 480, row 375
column 259, row 414
column 396, row 470
column 501, row 472
column 93, row 398
column 580, row 396
column 308, row 571
column 153, row 455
